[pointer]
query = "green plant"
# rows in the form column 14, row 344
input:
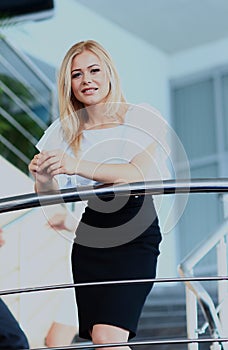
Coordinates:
column 9, row 131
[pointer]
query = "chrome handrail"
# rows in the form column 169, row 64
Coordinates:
column 32, row 200
column 87, row 345
column 90, row 284
column 195, row 256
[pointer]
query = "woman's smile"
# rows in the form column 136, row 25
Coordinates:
column 89, row 91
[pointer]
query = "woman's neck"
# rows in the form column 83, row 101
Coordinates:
column 97, row 118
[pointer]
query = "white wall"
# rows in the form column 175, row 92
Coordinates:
column 199, row 59
column 13, row 182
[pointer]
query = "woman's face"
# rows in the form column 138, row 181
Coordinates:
column 89, row 80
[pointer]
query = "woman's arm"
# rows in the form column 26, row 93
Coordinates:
column 43, row 181
column 138, row 169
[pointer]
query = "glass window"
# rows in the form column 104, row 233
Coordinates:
column 202, row 215
column 225, row 108
column 197, row 125
column 194, row 118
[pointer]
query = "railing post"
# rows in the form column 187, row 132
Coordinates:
column 191, row 317
column 222, row 285
column 222, row 270
column 215, row 346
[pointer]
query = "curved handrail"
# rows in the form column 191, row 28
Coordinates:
column 91, row 346
column 31, row 200
column 111, row 282
column 195, row 256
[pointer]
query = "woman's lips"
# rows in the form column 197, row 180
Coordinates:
column 89, row 91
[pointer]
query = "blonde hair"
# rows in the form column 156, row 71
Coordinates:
column 72, row 111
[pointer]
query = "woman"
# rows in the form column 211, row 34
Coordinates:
column 102, row 139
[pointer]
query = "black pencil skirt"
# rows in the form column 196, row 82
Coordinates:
column 115, row 240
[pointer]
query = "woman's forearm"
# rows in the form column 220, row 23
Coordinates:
column 109, row 173
column 138, row 169
column 50, row 185
column 57, row 162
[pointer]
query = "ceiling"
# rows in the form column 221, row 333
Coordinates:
column 170, row 25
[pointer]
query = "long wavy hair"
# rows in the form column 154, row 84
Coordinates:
column 72, row 112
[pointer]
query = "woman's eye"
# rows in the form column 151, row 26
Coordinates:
column 95, row 70
column 76, row 75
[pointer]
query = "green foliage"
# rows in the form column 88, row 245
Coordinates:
column 17, row 87
column 9, row 131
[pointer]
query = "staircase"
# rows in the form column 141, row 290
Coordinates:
column 164, row 317
column 27, row 105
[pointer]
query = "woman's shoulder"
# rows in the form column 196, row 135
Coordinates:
column 145, row 117
column 54, row 127
column 143, row 110
column 147, row 124
column 52, row 137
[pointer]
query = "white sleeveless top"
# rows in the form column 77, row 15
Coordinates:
column 116, row 145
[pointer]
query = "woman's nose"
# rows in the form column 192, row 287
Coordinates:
column 87, row 78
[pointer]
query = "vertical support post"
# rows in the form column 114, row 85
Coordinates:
column 222, row 270
column 192, row 318
column 222, row 285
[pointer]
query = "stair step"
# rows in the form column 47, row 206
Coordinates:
column 164, row 317
column 158, row 313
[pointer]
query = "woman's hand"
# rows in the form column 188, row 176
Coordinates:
column 51, row 163
column 63, row 221
column 40, row 175
column 44, row 181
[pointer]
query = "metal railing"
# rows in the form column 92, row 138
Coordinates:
column 32, row 200
column 28, row 101
column 186, row 269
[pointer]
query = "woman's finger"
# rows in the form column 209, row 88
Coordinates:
column 53, row 167
column 58, row 170
column 33, row 165
column 46, row 164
